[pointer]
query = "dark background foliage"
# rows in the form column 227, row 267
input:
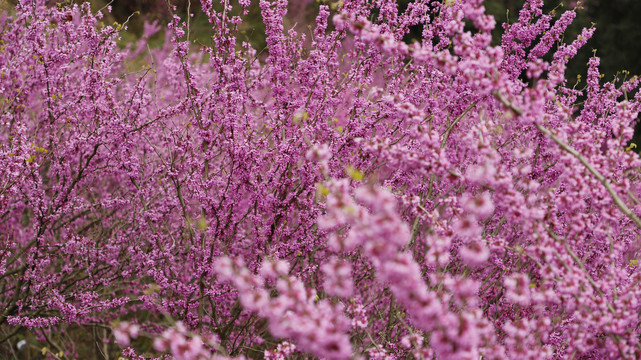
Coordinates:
column 616, row 40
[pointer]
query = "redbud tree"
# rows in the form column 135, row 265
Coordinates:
column 339, row 194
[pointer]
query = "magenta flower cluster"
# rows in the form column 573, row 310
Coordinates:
column 339, row 194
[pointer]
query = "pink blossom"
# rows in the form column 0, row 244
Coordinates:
column 337, row 193
column 517, row 289
column 480, row 205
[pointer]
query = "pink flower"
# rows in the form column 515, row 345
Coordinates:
column 517, row 288
column 438, row 253
column 122, row 337
column 161, row 344
column 480, row 205
column 338, row 278
column 466, row 228
column 474, row 254
column 124, row 332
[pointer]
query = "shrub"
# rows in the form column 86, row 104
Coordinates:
column 339, row 194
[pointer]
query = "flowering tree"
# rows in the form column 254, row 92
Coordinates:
column 341, row 194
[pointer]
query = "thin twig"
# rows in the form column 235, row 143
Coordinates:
column 446, row 134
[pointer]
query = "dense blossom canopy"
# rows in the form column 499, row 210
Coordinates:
column 340, row 194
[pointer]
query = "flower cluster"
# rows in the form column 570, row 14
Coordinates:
column 317, row 326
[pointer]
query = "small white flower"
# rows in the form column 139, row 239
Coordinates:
column 21, row 344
